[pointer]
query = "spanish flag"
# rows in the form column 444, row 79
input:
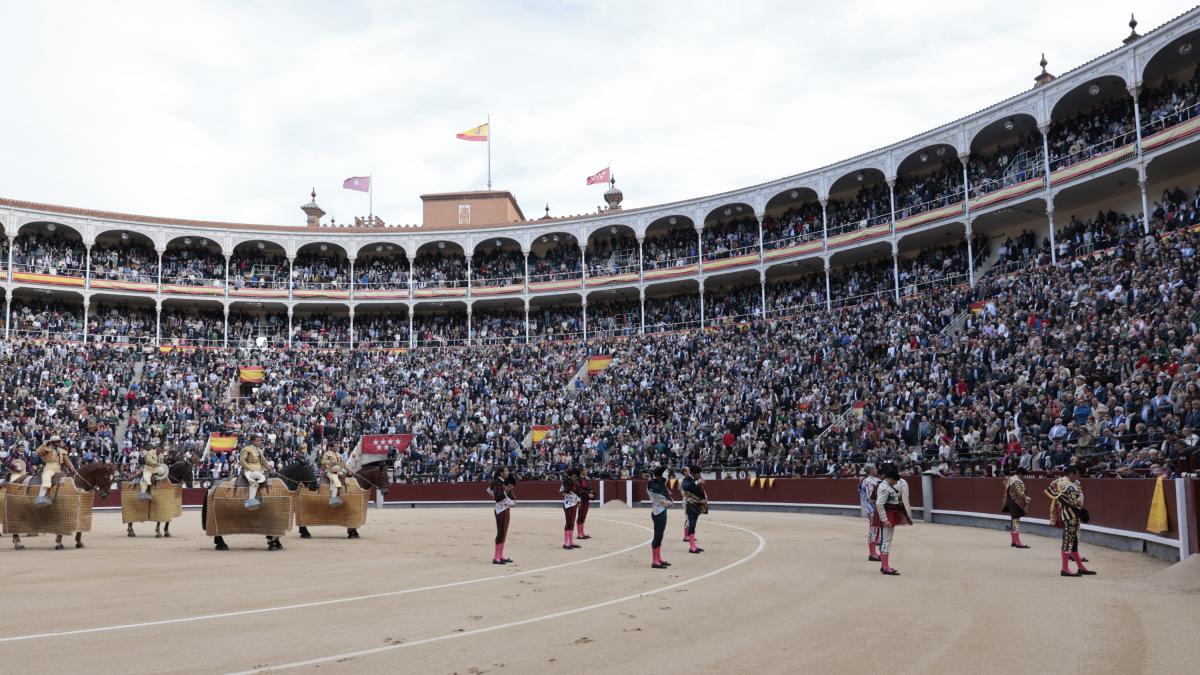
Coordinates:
column 479, row 133
column 252, row 374
column 598, row 363
column 166, row 349
column 395, row 350
column 858, row 408
column 222, row 442
column 1157, row 521
column 977, row 307
column 540, row 431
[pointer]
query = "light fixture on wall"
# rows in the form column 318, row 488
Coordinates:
column 187, row 241
column 672, row 220
column 728, row 211
column 1185, row 49
column 378, row 247
column 50, row 227
column 261, row 246
column 1009, row 124
column 441, row 244
column 924, row 157
column 795, row 194
column 204, row 242
column 124, row 236
column 858, row 176
column 324, row 248
column 1094, row 89
column 941, row 152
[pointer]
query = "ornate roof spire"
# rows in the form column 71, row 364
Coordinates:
column 1133, row 34
column 1044, row 77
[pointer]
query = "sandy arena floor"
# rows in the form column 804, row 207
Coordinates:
column 773, row 593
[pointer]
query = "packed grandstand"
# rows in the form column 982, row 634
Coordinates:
column 922, row 305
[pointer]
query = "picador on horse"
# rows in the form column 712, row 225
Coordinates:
column 348, row 484
column 270, row 515
column 62, row 502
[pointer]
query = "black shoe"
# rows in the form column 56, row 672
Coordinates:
column 1019, row 545
column 874, row 558
column 506, row 560
column 1069, row 574
column 665, row 563
column 566, row 547
column 585, row 536
column 1086, row 573
column 890, row 573
column 696, row 550
column 1085, row 560
column 575, row 546
column 659, row 566
column 497, row 562
column 222, row 547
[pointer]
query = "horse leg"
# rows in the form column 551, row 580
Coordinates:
column 352, row 533
column 17, row 543
column 129, row 530
column 58, row 545
column 167, row 529
column 220, row 544
column 305, row 534
column 78, row 540
column 157, row 533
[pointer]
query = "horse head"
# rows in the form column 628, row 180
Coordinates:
column 298, row 473
column 374, row 476
column 98, row 476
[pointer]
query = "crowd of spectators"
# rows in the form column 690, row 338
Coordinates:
column 559, row 261
column 121, row 324
column 556, row 322
column 436, row 268
column 674, row 248
column 192, row 327
column 613, row 254
column 50, row 253
column 796, row 225
column 312, row 270
column 124, row 261
column 382, row 330
column 47, row 319
column 871, row 206
column 730, row 238
column 921, row 192
column 498, row 267
column 498, row 326
column 1091, row 361
column 252, row 267
column 381, row 272
column 193, row 267
column 322, row 331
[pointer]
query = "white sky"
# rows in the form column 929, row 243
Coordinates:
column 233, row 110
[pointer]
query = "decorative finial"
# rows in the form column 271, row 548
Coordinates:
column 1043, row 63
column 1133, row 34
column 314, row 193
column 547, row 209
column 612, row 181
column 1044, row 77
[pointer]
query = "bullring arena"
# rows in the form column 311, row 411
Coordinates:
column 930, row 408
column 772, row 591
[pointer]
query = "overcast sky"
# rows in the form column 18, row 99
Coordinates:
column 233, row 110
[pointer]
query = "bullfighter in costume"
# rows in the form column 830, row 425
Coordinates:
column 54, row 458
column 891, row 502
column 1067, row 512
column 153, row 468
column 695, row 504
column 254, row 468
column 660, row 501
column 570, row 507
column 583, row 488
column 1016, row 503
column 334, row 467
column 502, row 491
column 866, row 498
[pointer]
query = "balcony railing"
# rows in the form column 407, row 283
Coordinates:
column 721, row 252
column 836, row 228
column 953, row 197
column 1107, row 145
column 784, row 242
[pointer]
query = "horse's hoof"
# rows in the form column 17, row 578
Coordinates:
column 167, row 534
column 222, row 547
column 157, row 535
column 59, row 547
column 79, row 544
column 130, row 534
column 306, row 535
column 19, row 547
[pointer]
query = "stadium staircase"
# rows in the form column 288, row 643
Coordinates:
column 123, row 423
column 959, row 321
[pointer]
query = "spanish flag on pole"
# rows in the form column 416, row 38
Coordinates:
column 540, row 431
column 251, row 374
column 598, row 363
column 479, row 133
column 222, row 442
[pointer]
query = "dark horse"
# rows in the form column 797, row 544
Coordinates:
column 301, row 474
column 179, row 473
column 96, row 476
column 273, row 543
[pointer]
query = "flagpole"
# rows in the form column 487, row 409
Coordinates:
column 371, row 198
column 489, row 137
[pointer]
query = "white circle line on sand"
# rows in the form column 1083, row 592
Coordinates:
column 762, row 544
column 331, row 601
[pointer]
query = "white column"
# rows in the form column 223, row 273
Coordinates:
column 641, row 262
column 642, row 303
column 759, row 217
column 8, row 302
column 1134, row 92
column 226, row 334
column 289, row 333
column 762, row 286
column 351, row 323
column 526, row 320
column 1045, row 131
column 891, row 183
column 352, row 283
column 227, row 283
column 828, row 293
column 584, row 317
column 970, row 255
column 700, row 248
column 12, row 243
column 160, row 255
column 896, row 268
column 525, row 253
column 412, row 334
column 468, row 278
column 158, row 317
column 87, row 273
column 291, row 281
column 470, row 331
column 583, row 262
column 86, row 301
column 702, row 302
column 824, row 226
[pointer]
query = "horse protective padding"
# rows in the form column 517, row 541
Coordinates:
column 227, row 513
column 70, row 512
column 166, row 502
column 313, row 509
